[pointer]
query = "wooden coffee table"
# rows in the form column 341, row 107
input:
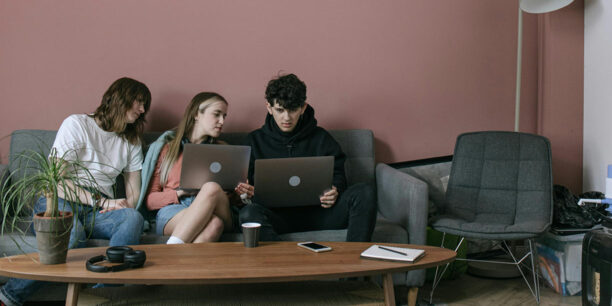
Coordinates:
column 225, row 263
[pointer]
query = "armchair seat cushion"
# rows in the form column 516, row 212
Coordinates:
column 479, row 230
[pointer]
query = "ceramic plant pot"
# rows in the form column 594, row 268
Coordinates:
column 53, row 236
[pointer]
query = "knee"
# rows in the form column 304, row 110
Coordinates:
column 363, row 195
column 133, row 219
column 78, row 236
column 368, row 192
column 211, row 189
column 41, row 205
column 362, row 188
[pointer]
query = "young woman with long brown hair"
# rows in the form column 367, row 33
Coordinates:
column 108, row 144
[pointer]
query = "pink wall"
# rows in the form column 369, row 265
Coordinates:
column 561, row 91
column 417, row 73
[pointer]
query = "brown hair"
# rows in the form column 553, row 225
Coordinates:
column 199, row 103
column 116, row 101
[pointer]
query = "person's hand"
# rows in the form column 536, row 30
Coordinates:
column 328, row 199
column 245, row 188
column 107, row 205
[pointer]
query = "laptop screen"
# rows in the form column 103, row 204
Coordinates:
column 296, row 181
column 226, row 165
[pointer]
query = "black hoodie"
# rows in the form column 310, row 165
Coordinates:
column 307, row 139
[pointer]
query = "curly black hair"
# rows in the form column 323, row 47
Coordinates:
column 287, row 90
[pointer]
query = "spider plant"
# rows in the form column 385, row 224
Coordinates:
column 44, row 176
column 51, row 177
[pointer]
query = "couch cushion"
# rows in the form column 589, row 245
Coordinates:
column 358, row 145
column 24, row 141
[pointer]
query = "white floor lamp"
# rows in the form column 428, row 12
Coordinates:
column 534, row 7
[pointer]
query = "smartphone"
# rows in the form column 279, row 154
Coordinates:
column 315, row 247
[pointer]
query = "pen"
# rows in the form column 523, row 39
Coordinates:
column 391, row 250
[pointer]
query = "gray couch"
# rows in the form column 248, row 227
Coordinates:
column 402, row 199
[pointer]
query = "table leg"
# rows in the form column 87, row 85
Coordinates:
column 412, row 295
column 388, row 287
column 72, row 296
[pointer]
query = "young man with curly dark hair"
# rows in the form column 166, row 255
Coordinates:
column 290, row 130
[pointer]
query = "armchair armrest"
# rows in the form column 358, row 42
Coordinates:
column 402, row 199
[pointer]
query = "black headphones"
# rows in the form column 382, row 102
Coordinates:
column 128, row 258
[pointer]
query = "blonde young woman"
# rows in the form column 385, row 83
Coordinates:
column 185, row 217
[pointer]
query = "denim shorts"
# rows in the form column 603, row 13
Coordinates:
column 168, row 212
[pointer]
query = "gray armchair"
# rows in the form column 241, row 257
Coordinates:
column 500, row 188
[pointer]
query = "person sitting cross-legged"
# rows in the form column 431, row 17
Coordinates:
column 188, row 217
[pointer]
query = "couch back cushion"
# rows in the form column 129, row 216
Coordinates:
column 503, row 178
column 23, row 143
column 358, row 145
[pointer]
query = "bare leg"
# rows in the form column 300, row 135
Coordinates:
column 190, row 222
column 211, row 232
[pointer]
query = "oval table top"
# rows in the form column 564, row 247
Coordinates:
column 224, row 263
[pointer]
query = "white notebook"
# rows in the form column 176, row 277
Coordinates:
column 392, row 253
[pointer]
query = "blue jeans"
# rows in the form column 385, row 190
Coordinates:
column 122, row 227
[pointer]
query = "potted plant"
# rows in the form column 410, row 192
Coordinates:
column 50, row 176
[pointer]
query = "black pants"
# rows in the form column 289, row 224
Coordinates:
column 355, row 209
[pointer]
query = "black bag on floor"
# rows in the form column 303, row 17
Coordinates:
column 567, row 213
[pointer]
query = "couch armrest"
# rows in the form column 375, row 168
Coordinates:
column 3, row 174
column 402, row 199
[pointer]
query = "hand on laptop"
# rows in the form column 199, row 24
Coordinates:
column 328, row 199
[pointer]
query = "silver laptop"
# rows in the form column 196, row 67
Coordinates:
column 296, row 181
column 226, row 165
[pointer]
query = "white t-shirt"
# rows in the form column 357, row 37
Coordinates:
column 105, row 154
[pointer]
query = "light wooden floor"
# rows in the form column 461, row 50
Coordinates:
column 467, row 290
column 324, row 293
column 472, row 291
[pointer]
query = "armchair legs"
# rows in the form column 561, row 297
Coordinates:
column 438, row 277
column 533, row 287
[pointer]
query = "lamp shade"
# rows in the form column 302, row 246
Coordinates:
column 542, row 6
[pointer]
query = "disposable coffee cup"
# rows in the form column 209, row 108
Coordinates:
column 250, row 234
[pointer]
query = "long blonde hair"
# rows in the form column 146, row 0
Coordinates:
column 199, row 103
